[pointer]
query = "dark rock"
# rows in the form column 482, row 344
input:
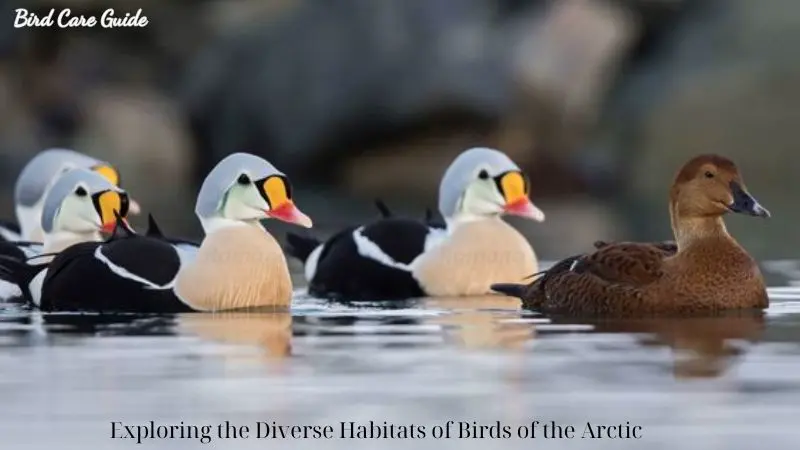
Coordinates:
column 332, row 76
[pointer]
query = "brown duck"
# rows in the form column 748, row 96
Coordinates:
column 704, row 271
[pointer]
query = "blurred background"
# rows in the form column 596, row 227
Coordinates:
column 599, row 100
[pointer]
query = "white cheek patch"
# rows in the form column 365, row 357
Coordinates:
column 482, row 198
column 244, row 203
column 77, row 215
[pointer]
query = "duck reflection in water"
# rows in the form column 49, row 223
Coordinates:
column 269, row 331
column 484, row 322
column 90, row 324
column 702, row 347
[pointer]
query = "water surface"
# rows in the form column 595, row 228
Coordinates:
column 706, row 383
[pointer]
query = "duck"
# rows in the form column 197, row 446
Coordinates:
column 705, row 270
column 396, row 258
column 237, row 265
column 37, row 178
column 79, row 206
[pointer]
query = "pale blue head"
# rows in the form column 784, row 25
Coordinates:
column 83, row 201
column 483, row 182
column 247, row 188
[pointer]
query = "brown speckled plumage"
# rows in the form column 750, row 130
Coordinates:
column 704, row 271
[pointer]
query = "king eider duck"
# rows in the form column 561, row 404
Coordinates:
column 24, row 239
column 36, row 179
column 396, row 258
column 704, row 271
column 77, row 208
column 238, row 264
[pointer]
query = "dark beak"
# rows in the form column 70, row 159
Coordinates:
column 744, row 203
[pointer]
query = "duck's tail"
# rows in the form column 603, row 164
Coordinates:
column 383, row 209
column 21, row 273
column 301, row 246
column 532, row 294
column 510, row 289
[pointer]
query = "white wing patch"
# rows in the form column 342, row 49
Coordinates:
column 369, row 249
column 312, row 261
column 125, row 273
column 35, row 287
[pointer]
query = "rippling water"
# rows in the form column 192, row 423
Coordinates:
column 727, row 383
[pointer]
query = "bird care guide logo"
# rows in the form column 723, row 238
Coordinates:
column 64, row 18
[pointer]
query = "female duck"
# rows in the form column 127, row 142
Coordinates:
column 37, row 178
column 709, row 272
column 396, row 258
column 238, row 263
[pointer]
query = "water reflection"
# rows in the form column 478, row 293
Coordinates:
column 478, row 359
column 271, row 332
column 88, row 324
column 21, row 327
column 702, row 347
column 482, row 322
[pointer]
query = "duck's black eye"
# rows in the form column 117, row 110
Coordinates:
column 243, row 179
column 80, row 191
column 709, row 174
column 483, row 174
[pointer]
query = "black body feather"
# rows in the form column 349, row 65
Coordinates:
column 77, row 280
column 344, row 274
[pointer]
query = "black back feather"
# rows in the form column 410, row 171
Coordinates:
column 154, row 231
column 152, row 228
column 383, row 209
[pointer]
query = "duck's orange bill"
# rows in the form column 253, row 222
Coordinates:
column 281, row 206
column 107, row 203
column 515, row 193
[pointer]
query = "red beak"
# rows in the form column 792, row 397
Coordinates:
column 289, row 213
column 524, row 208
